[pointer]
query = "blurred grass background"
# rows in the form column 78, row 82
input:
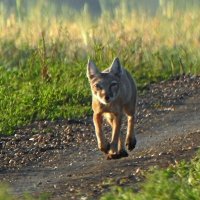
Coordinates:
column 44, row 47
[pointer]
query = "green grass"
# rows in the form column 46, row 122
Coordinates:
column 5, row 194
column 26, row 95
column 180, row 182
column 43, row 58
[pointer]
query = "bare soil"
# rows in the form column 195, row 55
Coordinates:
column 62, row 157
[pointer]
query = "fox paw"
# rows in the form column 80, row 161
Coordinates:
column 131, row 144
column 113, row 156
column 121, row 154
column 105, row 148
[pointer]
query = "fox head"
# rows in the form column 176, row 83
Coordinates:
column 105, row 85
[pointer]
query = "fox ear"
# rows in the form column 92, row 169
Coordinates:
column 116, row 68
column 92, row 70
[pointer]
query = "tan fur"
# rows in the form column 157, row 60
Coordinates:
column 113, row 93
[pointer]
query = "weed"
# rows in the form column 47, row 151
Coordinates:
column 177, row 182
column 5, row 194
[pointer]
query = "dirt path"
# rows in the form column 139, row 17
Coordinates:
column 66, row 162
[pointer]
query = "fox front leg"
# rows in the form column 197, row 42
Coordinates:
column 103, row 145
column 130, row 138
column 116, row 125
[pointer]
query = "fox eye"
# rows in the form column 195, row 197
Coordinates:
column 113, row 84
column 98, row 86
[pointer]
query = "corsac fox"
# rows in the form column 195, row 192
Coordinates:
column 114, row 92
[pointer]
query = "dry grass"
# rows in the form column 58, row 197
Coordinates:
column 43, row 57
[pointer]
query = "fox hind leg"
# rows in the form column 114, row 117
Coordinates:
column 121, row 147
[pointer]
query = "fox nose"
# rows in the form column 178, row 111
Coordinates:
column 107, row 98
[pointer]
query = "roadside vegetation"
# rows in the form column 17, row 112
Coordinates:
column 5, row 194
column 180, row 181
column 43, row 57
